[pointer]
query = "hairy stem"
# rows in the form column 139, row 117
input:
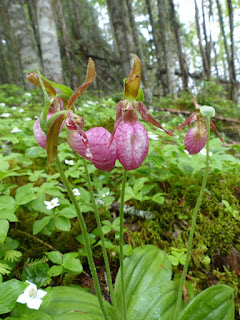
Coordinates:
column 85, row 238
column 193, row 225
column 105, row 256
column 121, row 245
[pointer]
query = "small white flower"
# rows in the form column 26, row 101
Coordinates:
column 76, row 192
column 28, row 119
column 36, row 117
column 5, row 115
column 21, row 110
column 14, row 108
column 204, row 152
column 2, row 104
column 92, row 103
column 177, row 136
column 100, row 202
column 28, row 94
column 69, row 162
column 152, row 136
column 85, row 105
column 105, row 194
column 52, row 204
column 32, row 296
column 15, row 129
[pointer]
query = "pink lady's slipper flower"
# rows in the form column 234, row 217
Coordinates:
column 92, row 145
column 196, row 137
column 130, row 136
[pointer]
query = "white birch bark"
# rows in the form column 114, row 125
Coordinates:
column 52, row 63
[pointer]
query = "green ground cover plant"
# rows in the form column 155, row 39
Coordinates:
column 41, row 241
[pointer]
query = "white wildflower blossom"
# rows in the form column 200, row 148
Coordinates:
column 15, row 129
column 28, row 119
column 204, row 152
column 52, row 204
column 152, row 136
column 32, row 296
column 28, row 94
column 21, row 110
column 2, row 104
column 69, row 162
column 76, row 192
column 14, row 108
column 5, row 115
column 105, row 194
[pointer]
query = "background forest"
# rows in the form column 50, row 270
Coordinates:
column 181, row 43
column 187, row 48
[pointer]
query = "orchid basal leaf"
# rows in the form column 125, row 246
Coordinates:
column 133, row 82
column 90, row 77
column 52, row 138
column 34, row 78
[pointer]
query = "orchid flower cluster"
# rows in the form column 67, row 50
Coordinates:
column 129, row 141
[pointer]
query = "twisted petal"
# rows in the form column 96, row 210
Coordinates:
column 194, row 140
column 103, row 157
column 132, row 144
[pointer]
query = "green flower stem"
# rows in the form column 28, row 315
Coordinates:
column 105, row 256
column 121, row 245
column 86, row 239
column 193, row 225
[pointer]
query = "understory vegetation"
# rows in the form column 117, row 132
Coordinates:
column 46, row 245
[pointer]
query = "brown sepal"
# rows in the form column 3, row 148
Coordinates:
column 90, row 77
column 188, row 121
column 133, row 82
column 147, row 117
column 214, row 128
column 52, row 138
column 33, row 78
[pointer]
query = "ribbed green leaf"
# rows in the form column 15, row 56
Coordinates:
column 72, row 303
column 150, row 293
column 214, row 303
column 9, row 292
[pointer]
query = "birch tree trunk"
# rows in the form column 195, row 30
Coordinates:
column 23, row 34
column 52, row 63
column 181, row 57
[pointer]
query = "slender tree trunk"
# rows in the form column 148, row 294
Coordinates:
column 163, row 17
column 147, row 91
column 202, row 51
column 24, row 37
column 207, row 39
column 66, row 44
column 158, row 55
column 52, row 63
column 77, row 19
column 224, row 36
column 181, row 56
column 233, row 93
column 215, row 59
column 116, row 12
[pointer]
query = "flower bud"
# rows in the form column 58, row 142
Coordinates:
column 207, row 111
